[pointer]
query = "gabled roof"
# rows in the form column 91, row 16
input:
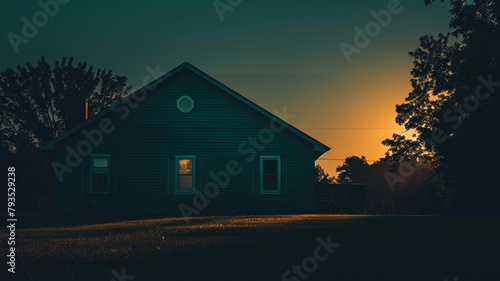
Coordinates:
column 318, row 146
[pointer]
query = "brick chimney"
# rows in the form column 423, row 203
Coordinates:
column 86, row 109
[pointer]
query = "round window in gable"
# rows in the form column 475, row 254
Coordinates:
column 185, row 104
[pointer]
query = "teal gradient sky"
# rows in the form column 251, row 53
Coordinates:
column 276, row 53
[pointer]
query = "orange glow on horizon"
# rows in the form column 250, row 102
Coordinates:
column 358, row 113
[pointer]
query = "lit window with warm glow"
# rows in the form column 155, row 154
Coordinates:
column 185, row 174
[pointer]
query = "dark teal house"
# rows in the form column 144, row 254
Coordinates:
column 185, row 144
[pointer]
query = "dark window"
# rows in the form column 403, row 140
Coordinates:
column 100, row 173
column 270, row 174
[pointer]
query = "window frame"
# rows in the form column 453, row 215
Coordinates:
column 185, row 110
column 108, row 180
column 176, row 170
column 262, row 158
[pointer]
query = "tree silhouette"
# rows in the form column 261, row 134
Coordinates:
column 320, row 177
column 453, row 106
column 38, row 103
column 353, row 170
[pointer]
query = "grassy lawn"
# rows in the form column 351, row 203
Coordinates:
column 257, row 248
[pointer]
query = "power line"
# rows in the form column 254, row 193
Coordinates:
column 337, row 159
column 352, row 128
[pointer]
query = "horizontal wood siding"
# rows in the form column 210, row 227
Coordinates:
column 143, row 146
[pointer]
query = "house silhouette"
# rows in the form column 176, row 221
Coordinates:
column 185, row 144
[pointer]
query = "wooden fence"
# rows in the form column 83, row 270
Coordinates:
column 340, row 198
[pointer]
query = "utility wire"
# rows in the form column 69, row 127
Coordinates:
column 352, row 128
column 337, row 159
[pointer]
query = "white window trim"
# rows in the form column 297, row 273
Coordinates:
column 176, row 169
column 262, row 191
column 92, row 156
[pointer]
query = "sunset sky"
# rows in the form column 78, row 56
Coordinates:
column 276, row 53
